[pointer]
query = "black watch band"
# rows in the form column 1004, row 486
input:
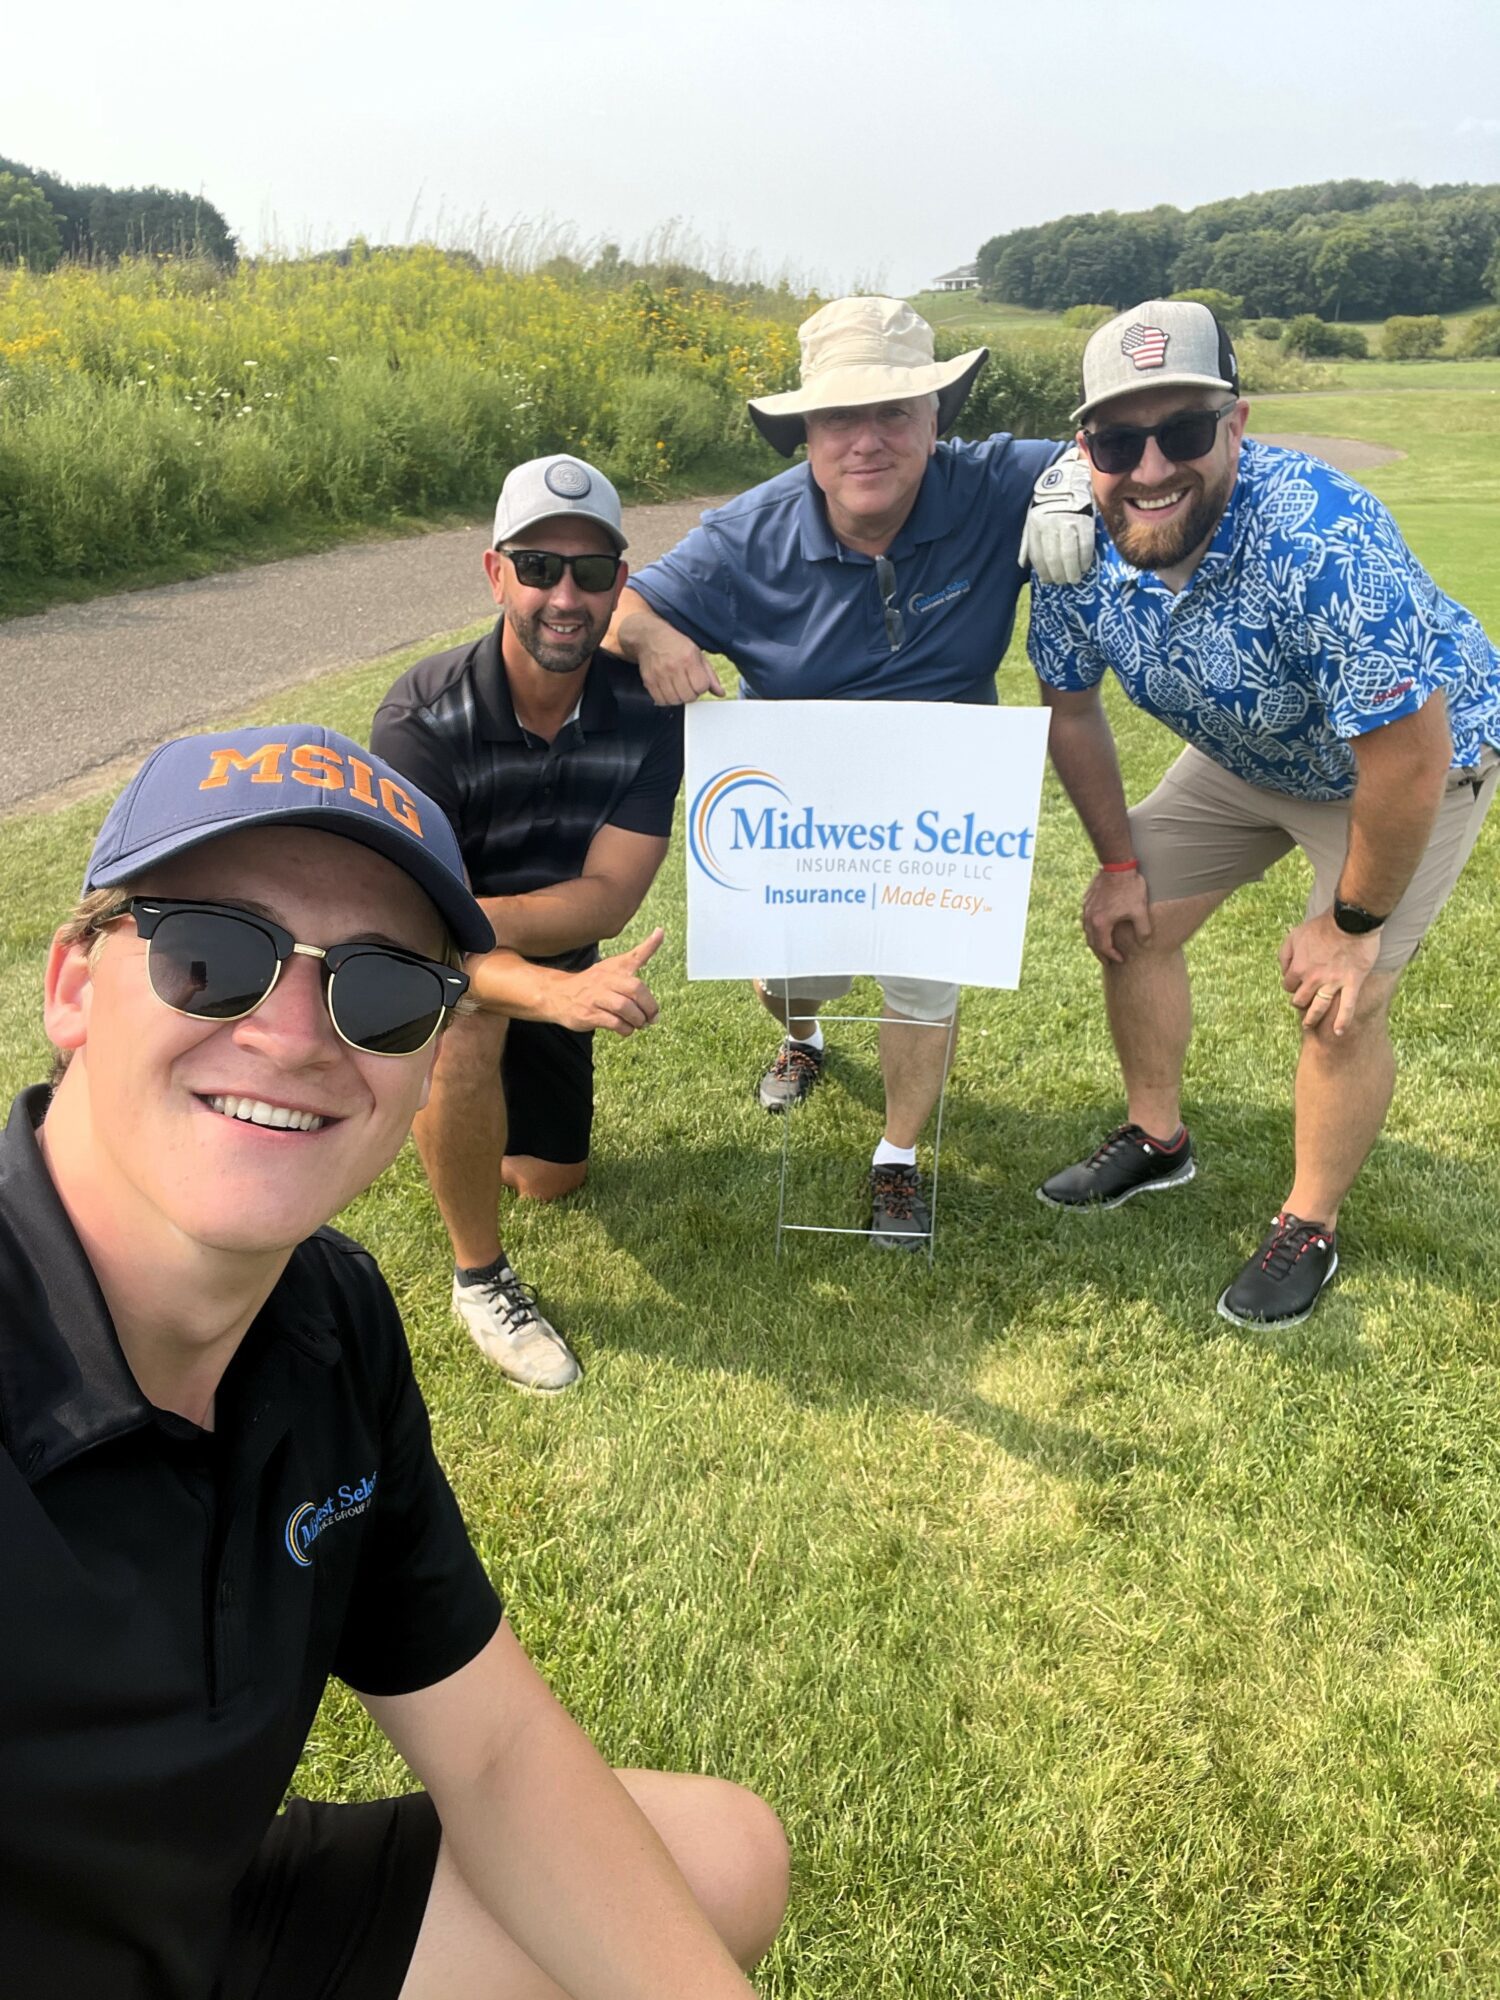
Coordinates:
column 1350, row 917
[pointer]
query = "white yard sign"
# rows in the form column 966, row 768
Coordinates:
column 861, row 836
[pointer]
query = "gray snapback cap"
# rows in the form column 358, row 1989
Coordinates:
column 1163, row 344
column 543, row 489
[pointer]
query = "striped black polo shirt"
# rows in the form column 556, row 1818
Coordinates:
column 526, row 810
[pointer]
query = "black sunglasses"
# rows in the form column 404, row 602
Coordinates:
column 219, row 964
column 1188, row 434
column 542, row 569
column 885, row 583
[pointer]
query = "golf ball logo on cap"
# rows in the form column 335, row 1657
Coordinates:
column 568, row 480
column 1145, row 345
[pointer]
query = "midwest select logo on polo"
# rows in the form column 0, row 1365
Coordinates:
column 314, row 1517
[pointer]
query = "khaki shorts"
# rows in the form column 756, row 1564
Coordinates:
column 916, row 999
column 1205, row 832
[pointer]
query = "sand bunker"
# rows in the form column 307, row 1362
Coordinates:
column 1347, row 454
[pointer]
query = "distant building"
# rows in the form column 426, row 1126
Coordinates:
column 964, row 279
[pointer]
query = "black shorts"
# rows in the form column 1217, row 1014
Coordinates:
column 548, row 1076
column 331, row 1907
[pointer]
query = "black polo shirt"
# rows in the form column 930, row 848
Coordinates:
column 526, row 810
column 175, row 1599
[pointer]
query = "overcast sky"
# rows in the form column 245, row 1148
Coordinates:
column 844, row 143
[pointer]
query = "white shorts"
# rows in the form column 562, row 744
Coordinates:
column 916, row 999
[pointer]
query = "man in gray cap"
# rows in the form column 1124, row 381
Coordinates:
column 1332, row 698
column 559, row 775
column 885, row 568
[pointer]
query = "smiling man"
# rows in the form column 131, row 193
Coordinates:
column 886, row 568
column 1332, row 698
column 217, row 1485
column 559, row 775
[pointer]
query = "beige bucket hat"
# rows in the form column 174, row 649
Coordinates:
column 864, row 350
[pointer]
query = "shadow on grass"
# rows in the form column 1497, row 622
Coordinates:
column 835, row 1321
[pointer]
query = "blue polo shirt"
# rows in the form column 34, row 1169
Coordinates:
column 1309, row 622
column 765, row 581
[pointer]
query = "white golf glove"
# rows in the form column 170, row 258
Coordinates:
column 1057, row 540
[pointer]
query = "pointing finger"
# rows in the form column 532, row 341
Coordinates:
column 647, row 948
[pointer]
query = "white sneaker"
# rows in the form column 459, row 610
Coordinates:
column 501, row 1314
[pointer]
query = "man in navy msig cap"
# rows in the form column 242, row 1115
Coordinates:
column 217, row 1484
column 560, row 775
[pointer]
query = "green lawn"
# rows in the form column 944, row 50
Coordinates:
column 972, row 313
column 1479, row 379
column 1088, row 1645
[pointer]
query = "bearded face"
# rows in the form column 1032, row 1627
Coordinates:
column 1162, row 513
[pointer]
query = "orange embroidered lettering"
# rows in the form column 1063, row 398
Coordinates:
column 360, row 789
column 400, row 804
column 264, row 764
column 316, row 764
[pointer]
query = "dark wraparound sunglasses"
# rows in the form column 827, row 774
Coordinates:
column 1188, row 434
column 542, row 569
column 219, row 964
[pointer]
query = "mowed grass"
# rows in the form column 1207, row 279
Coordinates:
column 1088, row 1645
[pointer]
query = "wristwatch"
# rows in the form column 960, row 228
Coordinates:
column 1350, row 917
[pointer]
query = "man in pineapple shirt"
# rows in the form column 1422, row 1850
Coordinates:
column 1331, row 697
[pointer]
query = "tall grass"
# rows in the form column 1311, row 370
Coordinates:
column 161, row 406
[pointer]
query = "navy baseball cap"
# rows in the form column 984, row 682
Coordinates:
column 198, row 788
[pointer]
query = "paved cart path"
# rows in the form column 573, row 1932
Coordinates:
column 87, row 689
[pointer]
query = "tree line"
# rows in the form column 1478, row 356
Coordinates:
column 1348, row 249
column 43, row 220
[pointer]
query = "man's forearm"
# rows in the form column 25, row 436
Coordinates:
column 559, row 1854
column 502, row 982
column 560, row 917
column 1082, row 748
column 1402, row 770
column 633, row 625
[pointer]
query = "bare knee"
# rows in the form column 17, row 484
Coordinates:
column 731, row 1849
column 746, row 1871
column 542, row 1180
column 1170, row 930
column 1366, row 1032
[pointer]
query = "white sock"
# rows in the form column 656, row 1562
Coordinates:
column 812, row 1041
column 887, row 1155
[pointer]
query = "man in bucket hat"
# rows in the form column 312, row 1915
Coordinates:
column 217, row 1484
column 885, row 568
column 1332, row 698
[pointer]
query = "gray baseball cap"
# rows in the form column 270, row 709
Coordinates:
column 1163, row 344
column 543, row 489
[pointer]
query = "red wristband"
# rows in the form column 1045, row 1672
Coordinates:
column 1118, row 867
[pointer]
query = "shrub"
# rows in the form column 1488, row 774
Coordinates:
column 1028, row 386
column 28, row 228
column 1087, row 317
column 1309, row 335
column 1228, row 310
column 661, row 420
column 1265, row 329
column 1267, row 369
column 1404, row 337
column 1481, row 335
